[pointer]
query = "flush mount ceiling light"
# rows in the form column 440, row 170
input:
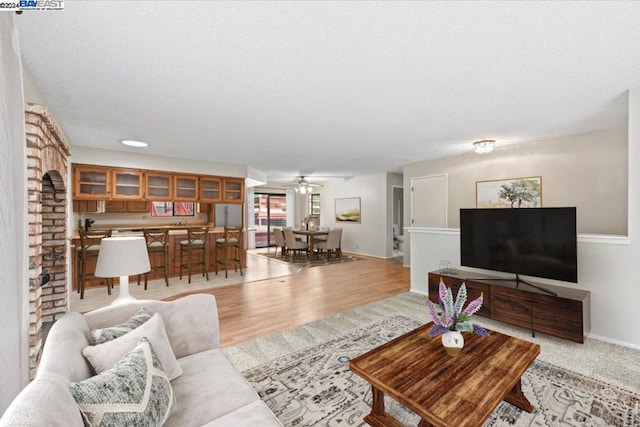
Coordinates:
column 132, row 143
column 484, row 146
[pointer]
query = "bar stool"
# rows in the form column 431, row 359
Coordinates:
column 196, row 244
column 157, row 246
column 231, row 242
column 88, row 252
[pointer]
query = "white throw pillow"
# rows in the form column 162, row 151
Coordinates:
column 135, row 392
column 104, row 356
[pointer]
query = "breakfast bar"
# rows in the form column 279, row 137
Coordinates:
column 177, row 233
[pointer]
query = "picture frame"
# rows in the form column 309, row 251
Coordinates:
column 523, row 192
column 348, row 210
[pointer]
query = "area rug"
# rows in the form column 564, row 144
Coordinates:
column 314, row 386
column 303, row 262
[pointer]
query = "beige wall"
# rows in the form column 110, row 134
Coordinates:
column 588, row 171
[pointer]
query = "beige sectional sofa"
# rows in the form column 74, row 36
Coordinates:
column 209, row 391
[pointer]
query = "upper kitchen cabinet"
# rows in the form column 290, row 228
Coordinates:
column 185, row 188
column 127, row 184
column 233, row 191
column 159, row 186
column 210, row 189
column 91, row 182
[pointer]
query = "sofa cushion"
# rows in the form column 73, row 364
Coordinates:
column 136, row 391
column 209, row 387
column 104, row 356
column 102, row 335
column 254, row 414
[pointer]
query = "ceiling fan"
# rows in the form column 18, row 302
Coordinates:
column 303, row 186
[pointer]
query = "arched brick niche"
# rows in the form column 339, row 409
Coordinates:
column 47, row 166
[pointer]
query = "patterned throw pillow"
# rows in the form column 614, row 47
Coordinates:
column 135, row 392
column 99, row 336
column 104, row 356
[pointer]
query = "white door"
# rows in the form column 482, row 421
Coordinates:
column 429, row 201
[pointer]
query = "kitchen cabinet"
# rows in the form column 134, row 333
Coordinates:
column 127, row 184
column 233, row 190
column 138, row 206
column 210, row 189
column 185, row 188
column 89, row 206
column 115, row 206
column 122, row 206
column 158, row 186
column 91, row 182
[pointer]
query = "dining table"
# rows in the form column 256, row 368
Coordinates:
column 311, row 236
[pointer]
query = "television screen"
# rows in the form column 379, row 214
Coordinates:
column 540, row 242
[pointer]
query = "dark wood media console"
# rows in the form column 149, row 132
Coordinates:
column 564, row 315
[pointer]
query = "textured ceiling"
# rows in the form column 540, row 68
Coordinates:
column 330, row 88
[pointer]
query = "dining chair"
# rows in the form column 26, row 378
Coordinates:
column 278, row 236
column 228, row 250
column 333, row 243
column 87, row 254
column 196, row 250
column 322, row 238
column 293, row 245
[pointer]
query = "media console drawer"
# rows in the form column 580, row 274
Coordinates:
column 565, row 315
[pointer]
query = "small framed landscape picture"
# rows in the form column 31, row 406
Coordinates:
column 510, row 193
column 348, row 210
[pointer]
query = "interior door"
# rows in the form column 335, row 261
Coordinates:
column 429, row 201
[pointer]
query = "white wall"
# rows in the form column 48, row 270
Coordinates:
column 373, row 236
column 14, row 285
column 608, row 266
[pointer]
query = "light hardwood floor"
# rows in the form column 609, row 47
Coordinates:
column 250, row 310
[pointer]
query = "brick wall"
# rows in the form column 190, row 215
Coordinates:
column 47, row 166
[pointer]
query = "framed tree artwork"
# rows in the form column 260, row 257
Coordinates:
column 510, row 193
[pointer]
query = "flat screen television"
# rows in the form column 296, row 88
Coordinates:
column 539, row 242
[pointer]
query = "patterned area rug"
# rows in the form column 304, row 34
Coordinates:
column 314, row 386
column 303, row 262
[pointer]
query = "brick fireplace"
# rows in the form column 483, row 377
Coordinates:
column 47, row 166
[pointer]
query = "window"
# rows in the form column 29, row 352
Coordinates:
column 168, row 209
column 314, row 204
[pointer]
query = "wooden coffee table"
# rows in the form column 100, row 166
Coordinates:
column 416, row 371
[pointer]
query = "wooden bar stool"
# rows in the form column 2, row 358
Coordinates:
column 158, row 247
column 195, row 245
column 228, row 250
column 88, row 253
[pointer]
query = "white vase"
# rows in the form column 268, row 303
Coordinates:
column 453, row 341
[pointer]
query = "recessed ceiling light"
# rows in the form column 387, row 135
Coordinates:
column 134, row 143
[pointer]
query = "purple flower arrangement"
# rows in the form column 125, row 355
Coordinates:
column 453, row 315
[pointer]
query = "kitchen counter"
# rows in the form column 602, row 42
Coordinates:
column 177, row 233
column 136, row 230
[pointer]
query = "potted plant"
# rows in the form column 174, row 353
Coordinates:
column 451, row 318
